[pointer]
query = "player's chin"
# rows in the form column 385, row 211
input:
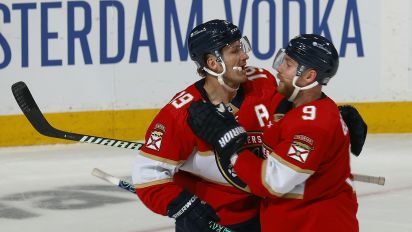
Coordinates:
column 243, row 77
column 239, row 75
column 282, row 88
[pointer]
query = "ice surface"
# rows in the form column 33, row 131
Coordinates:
column 50, row 188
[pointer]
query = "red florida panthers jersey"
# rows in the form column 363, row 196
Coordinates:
column 174, row 158
column 305, row 180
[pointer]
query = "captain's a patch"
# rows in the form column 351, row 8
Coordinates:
column 300, row 148
column 155, row 140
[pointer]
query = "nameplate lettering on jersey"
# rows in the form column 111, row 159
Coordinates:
column 254, row 139
column 266, row 151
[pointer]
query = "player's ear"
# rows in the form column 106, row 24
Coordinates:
column 310, row 76
column 211, row 62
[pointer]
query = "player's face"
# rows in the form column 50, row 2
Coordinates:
column 286, row 72
column 235, row 58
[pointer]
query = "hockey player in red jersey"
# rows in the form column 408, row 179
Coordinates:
column 305, row 181
column 175, row 173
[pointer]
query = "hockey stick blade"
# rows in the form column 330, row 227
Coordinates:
column 114, row 180
column 32, row 112
column 129, row 187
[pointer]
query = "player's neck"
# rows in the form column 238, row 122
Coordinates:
column 216, row 92
column 306, row 96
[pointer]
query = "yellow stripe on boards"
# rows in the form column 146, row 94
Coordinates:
column 386, row 117
column 123, row 124
column 15, row 130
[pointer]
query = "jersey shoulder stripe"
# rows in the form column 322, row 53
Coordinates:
column 259, row 79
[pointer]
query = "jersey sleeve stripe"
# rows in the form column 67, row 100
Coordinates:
column 253, row 77
column 153, row 183
column 146, row 170
column 282, row 181
column 163, row 160
column 206, row 153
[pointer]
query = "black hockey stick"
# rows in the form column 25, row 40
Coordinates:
column 32, row 112
column 129, row 187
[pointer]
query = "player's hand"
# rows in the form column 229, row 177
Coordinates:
column 357, row 128
column 217, row 127
column 191, row 213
